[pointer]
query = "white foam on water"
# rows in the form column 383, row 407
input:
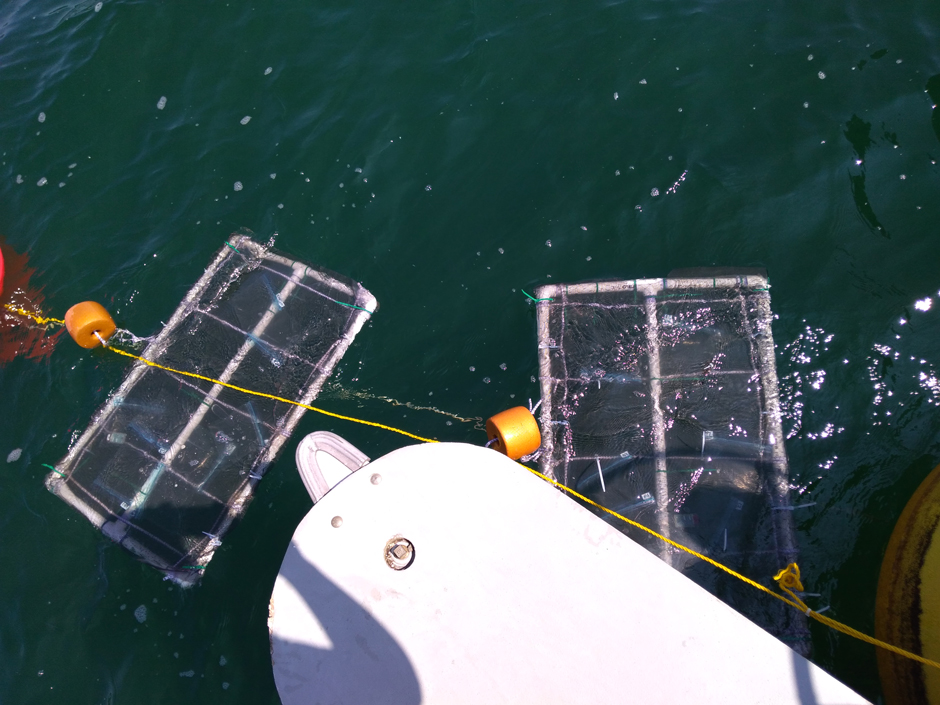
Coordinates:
column 222, row 661
column 821, row 75
column 268, row 70
column 238, row 186
column 654, row 192
column 140, row 614
column 19, row 178
column 42, row 117
column 273, row 176
column 675, row 186
column 245, row 120
column 98, row 6
column 161, row 104
column 42, row 182
column 17, row 452
column 187, row 674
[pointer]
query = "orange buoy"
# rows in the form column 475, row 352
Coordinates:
column 514, row 431
column 87, row 318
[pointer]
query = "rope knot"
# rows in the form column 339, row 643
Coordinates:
column 789, row 578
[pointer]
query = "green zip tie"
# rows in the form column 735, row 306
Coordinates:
column 358, row 308
column 46, row 465
column 533, row 298
column 678, row 379
column 200, row 399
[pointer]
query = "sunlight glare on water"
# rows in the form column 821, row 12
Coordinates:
column 450, row 157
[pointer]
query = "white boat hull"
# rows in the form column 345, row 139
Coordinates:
column 514, row 594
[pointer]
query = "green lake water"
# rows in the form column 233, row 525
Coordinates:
column 449, row 155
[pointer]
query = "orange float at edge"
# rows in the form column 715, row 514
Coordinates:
column 514, row 431
column 85, row 319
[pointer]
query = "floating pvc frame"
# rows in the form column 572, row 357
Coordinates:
column 646, row 296
column 98, row 479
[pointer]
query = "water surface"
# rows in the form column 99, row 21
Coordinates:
column 449, row 155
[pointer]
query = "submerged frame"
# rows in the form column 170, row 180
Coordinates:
column 649, row 313
column 196, row 445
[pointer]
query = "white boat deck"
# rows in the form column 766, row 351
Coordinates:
column 512, row 593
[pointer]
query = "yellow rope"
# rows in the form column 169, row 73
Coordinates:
column 270, row 396
column 46, row 321
column 36, row 317
column 788, row 578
